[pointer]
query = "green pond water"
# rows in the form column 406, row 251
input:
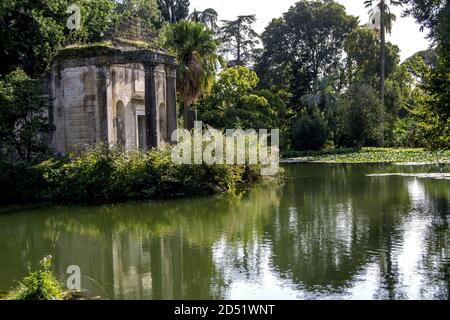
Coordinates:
column 326, row 232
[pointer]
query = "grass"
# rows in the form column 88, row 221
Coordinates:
column 39, row 285
column 372, row 155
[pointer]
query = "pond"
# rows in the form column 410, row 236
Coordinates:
column 325, row 232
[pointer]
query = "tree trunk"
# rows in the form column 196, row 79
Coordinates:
column 238, row 41
column 383, row 52
column 382, row 63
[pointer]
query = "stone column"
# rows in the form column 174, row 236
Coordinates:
column 151, row 116
column 102, row 96
column 171, row 99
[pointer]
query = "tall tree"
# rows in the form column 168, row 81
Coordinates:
column 239, row 39
column 173, row 11
column 305, row 45
column 196, row 49
column 362, row 49
column 434, row 15
column 208, row 16
column 386, row 19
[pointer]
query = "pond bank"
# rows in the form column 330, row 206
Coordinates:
column 372, row 155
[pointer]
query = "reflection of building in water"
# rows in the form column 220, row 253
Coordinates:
column 131, row 268
column 154, row 268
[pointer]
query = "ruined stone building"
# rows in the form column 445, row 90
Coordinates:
column 120, row 92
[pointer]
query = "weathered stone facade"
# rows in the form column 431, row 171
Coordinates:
column 125, row 97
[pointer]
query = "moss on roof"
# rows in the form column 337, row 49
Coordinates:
column 104, row 48
column 76, row 51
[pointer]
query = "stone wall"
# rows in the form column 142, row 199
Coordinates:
column 75, row 106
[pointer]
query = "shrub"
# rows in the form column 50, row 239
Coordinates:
column 359, row 118
column 84, row 179
column 310, row 132
column 23, row 125
column 234, row 103
column 39, row 285
column 104, row 175
column 408, row 133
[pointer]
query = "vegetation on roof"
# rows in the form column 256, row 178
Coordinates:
column 75, row 51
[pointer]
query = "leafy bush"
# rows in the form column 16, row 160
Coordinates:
column 234, row 103
column 39, row 285
column 23, row 124
column 310, row 132
column 359, row 118
column 408, row 133
column 105, row 175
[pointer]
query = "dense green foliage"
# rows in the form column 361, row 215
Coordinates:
column 362, row 62
column 32, row 32
column 234, row 102
column 39, row 285
column 359, row 117
column 310, row 132
column 433, row 112
column 105, row 175
column 316, row 72
column 23, row 124
column 305, row 43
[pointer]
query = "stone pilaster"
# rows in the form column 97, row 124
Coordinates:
column 151, row 114
column 171, row 97
column 102, row 96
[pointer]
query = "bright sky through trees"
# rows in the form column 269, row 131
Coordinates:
column 406, row 33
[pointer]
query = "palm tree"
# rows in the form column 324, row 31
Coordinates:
column 386, row 19
column 196, row 50
column 208, row 16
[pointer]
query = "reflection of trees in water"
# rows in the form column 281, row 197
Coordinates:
column 436, row 254
column 335, row 221
column 341, row 218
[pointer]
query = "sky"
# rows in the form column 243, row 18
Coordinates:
column 406, row 33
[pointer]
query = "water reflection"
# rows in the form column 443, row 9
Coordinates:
column 329, row 231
